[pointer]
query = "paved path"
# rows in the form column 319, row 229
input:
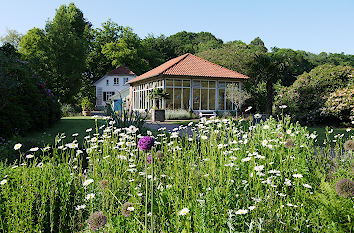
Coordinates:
column 170, row 127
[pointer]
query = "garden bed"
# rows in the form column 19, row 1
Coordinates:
column 231, row 177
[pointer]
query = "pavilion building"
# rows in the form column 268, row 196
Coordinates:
column 192, row 83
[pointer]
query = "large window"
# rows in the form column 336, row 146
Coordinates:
column 204, row 95
column 179, row 91
column 107, row 95
column 141, row 94
column 224, row 103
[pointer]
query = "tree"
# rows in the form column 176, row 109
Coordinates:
column 158, row 94
column 98, row 64
column 12, row 37
column 58, row 53
column 235, row 96
column 127, row 50
column 190, row 42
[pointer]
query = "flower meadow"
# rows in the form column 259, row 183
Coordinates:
column 230, row 176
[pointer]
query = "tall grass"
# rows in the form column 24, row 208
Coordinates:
column 231, row 177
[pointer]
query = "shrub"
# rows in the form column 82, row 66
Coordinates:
column 308, row 94
column 340, row 104
column 69, row 110
column 86, row 104
column 25, row 102
column 179, row 114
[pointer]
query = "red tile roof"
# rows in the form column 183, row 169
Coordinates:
column 190, row 65
column 122, row 70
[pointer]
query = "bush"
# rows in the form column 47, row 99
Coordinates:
column 69, row 110
column 25, row 102
column 310, row 91
column 86, row 104
column 179, row 114
column 340, row 104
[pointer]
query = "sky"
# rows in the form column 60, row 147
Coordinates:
column 311, row 25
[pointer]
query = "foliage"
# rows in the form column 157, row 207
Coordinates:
column 158, row 94
column 25, row 102
column 12, row 37
column 179, row 114
column 235, row 96
column 126, row 118
column 308, row 94
column 127, row 50
column 184, row 184
column 86, row 104
column 340, row 104
column 97, row 63
column 68, row 110
column 58, row 52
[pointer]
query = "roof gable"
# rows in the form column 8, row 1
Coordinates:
column 190, row 65
column 122, row 70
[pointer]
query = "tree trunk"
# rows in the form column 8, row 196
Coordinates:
column 270, row 93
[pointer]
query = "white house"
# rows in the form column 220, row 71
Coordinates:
column 113, row 83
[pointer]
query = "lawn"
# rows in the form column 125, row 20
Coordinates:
column 67, row 125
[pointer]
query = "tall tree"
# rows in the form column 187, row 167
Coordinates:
column 98, row 64
column 127, row 50
column 12, row 37
column 58, row 53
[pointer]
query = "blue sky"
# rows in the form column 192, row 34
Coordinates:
column 310, row 25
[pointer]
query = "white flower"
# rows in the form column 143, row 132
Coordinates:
column 75, row 134
column 184, row 211
column 266, row 127
column 88, row 130
column 204, row 137
column 17, row 146
column 34, row 149
column 348, row 129
column 87, row 182
column 131, row 208
column 242, row 211
column 259, row 168
column 307, row 186
column 287, row 182
column 132, row 129
column 251, row 207
column 288, row 131
column 246, row 159
column 249, row 108
column 264, row 143
column 3, row 182
column 313, row 136
column 29, row 156
column 297, row 176
column 90, row 196
column 283, row 106
column 79, row 207
column 257, row 116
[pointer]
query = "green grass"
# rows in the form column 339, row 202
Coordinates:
column 67, row 125
column 321, row 132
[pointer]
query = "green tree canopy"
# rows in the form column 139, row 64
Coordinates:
column 12, row 37
column 58, row 53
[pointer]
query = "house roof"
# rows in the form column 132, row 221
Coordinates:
column 122, row 70
column 190, row 65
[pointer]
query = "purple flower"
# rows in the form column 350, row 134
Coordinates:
column 148, row 159
column 145, row 143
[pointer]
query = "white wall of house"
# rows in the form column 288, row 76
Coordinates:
column 110, row 85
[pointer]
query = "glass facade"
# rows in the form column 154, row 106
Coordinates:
column 199, row 95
